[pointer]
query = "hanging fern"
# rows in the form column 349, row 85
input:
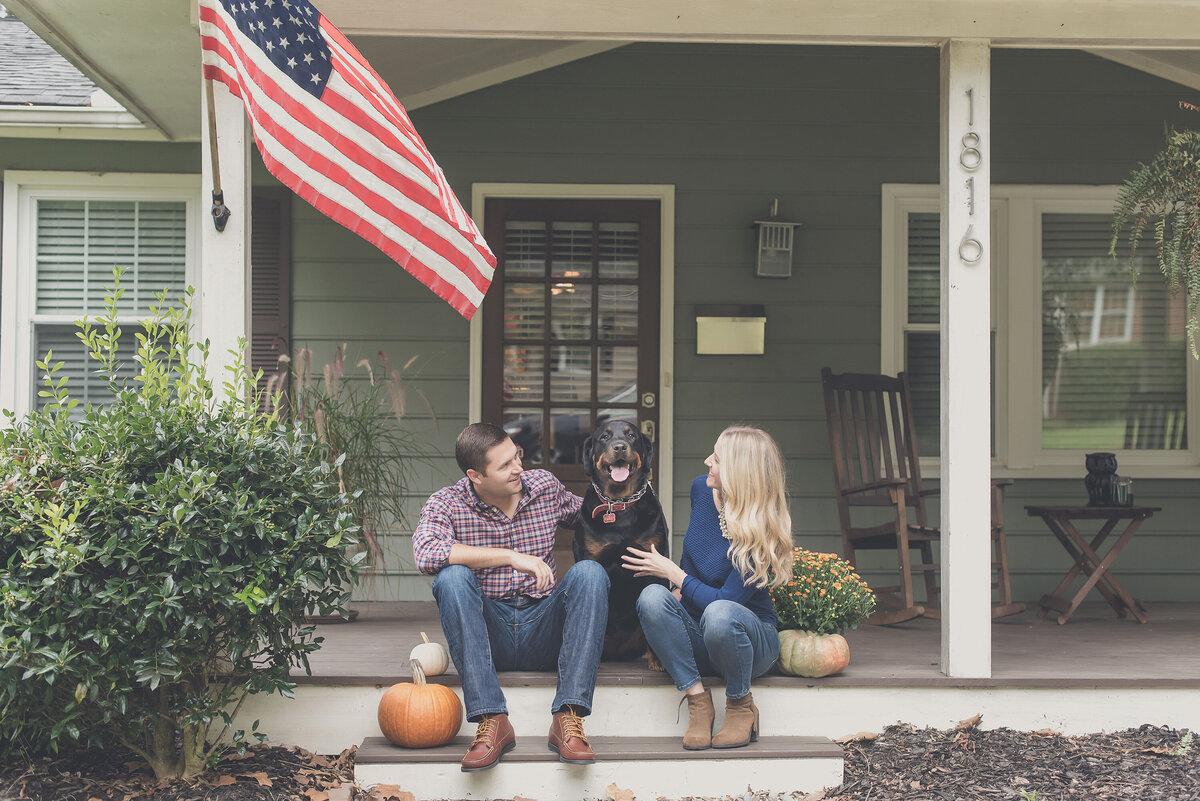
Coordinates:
column 1164, row 197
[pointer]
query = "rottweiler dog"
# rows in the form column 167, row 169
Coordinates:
column 620, row 509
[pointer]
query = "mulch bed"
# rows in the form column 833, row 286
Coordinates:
column 901, row 764
column 971, row 763
column 261, row 774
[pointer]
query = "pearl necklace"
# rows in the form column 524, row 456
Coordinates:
column 724, row 523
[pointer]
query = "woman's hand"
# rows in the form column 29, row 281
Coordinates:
column 652, row 563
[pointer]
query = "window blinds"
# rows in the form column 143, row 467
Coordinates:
column 78, row 243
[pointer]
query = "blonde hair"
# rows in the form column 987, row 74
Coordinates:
column 756, row 513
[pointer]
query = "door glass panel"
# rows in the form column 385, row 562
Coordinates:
column 524, row 426
column 524, row 311
column 618, row 312
column 524, row 373
column 617, row 374
column 573, row 321
column 570, row 311
column 524, row 249
column 570, row 373
column 568, row 429
column 619, row 250
column 572, row 250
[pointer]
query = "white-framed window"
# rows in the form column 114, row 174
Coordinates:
column 1083, row 359
column 63, row 233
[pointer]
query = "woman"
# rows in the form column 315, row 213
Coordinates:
column 719, row 618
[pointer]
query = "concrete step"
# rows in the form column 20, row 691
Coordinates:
column 650, row 767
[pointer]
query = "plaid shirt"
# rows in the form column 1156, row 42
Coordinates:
column 456, row 514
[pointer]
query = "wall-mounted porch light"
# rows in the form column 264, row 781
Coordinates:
column 776, row 238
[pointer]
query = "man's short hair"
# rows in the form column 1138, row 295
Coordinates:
column 473, row 443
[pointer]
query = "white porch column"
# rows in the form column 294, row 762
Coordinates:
column 966, row 358
column 223, row 302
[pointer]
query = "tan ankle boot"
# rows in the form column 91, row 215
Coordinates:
column 741, row 723
column 700, row 721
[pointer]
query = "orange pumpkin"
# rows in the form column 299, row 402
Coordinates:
column 418, row 714
column 804, row 653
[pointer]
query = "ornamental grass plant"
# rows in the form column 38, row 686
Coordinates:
column 824, row 595
column 358, row 418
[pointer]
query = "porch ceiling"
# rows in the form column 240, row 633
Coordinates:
column 145, row 54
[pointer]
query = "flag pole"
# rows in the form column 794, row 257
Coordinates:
column 220, row 212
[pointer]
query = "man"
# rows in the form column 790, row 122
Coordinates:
column 489, row 540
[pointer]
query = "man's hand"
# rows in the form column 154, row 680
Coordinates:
column 532, row 566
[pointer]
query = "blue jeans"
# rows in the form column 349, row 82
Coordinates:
column 486, row 635
column 730, row 640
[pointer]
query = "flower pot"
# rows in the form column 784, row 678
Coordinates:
column 805, row 653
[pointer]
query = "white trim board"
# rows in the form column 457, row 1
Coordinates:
column 665, row 195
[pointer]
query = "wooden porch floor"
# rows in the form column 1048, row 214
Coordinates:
column 1094, row 649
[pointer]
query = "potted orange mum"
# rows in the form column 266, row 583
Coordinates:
column 824, row 597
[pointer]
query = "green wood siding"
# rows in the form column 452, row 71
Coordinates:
column 98, row 156
column 731, row 127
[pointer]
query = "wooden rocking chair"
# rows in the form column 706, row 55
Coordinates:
column 873, row 444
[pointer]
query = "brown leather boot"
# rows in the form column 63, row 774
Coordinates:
column 568, row 739
column 741, row 723
column 493, row 739
column 700, row 721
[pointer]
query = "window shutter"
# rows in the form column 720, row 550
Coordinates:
column 270, row 285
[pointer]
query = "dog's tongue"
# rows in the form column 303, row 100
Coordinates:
column 620, row 473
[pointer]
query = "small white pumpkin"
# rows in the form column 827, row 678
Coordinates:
column 432, row 655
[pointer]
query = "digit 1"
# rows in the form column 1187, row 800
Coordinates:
column 971, row 196
column 971, row 106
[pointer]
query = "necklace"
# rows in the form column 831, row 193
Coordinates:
column 724, row 524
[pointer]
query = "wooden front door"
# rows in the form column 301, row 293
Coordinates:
column 571, row 326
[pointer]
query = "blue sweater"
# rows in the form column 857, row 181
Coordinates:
column 710, row 574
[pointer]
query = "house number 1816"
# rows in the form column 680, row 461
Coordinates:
column 970, row 250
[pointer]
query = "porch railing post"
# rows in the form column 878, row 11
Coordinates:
column 966, row 357
column 222, row 286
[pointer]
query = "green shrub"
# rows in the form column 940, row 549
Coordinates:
column 158, row 554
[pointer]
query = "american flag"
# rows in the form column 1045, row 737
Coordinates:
column 331, row 130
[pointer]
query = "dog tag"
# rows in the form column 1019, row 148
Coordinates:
column 609, row 517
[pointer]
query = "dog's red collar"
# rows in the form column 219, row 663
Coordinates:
column 610, row 507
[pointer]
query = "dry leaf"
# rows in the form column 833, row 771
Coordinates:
column 521, row 798
column 817, row 796
column 1157, row 750
column 93, row 798
column 389, row 792
column 1045, row 733
column 915, row 785
column 618, row 793
column 317, row 795
column 969, row 723
column 1020, row 781
column 862, row 736
column 224, row 781
column 259, row 777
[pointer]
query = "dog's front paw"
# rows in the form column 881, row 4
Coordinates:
column 652, row 662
